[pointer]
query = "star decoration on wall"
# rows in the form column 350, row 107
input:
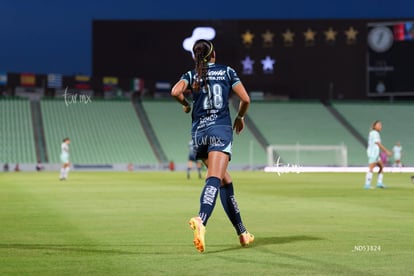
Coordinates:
column 288, row 37
column 268, row 65
column 309, row 35
column 330, row 35
column 268, row 38
column 247, row 65
column 351, row 35
column 247, row 37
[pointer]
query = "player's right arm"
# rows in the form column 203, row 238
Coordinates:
column 178, row 93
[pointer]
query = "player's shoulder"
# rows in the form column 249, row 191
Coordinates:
column 219, row 66
column 227, row 70
column 189, row 73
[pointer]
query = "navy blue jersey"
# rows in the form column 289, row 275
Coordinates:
column 211, row 103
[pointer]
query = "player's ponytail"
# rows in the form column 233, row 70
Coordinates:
column 203, row 50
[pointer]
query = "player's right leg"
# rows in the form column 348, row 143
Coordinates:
column 64, row 159
column 62, row 173
column 232, row 210
column 380, row 183
column 199, row 165
column 189, row 167
column 246, row 239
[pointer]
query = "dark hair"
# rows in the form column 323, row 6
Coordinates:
column 203, row 50
column 375, row 123
column 65, row 139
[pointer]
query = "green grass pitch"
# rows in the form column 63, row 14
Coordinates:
column 135, row 223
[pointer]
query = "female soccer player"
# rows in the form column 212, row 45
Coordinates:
column 192, row 159
column 212, row 134
column 397, row 151
column 64, row 158
column 373, row 152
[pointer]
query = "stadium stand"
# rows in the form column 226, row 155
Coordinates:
column 247, row 150
column 173, row 126
column 397, row 121
column 306, row 123
column 17, row 144
column 110, row 132
column 101, row 132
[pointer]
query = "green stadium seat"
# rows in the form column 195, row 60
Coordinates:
column 16, row 132
column 101, row 132
column 173, row 128
column 306, row 123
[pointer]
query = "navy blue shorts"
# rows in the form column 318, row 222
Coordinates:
column 192, row 156
column 213, row 138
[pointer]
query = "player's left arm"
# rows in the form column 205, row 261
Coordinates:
column 241, row 92
column 384, row 149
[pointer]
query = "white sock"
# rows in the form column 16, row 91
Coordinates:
column 62, row 172
column 368, row 178
column 66, row 172
column 380, row 176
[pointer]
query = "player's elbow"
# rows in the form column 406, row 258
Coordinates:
column 246, row 100
column 175, row 92
column 178, row 89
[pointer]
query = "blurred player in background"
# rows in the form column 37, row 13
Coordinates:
column 373, row 151
column 212, row 133
column 64, row 159
column 397, row 154
column 192, row 159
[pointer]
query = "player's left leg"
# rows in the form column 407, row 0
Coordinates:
column 217, row 165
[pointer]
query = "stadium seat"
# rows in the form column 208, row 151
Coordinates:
column 101, row 132
column 17, row 144
column 306, row 123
